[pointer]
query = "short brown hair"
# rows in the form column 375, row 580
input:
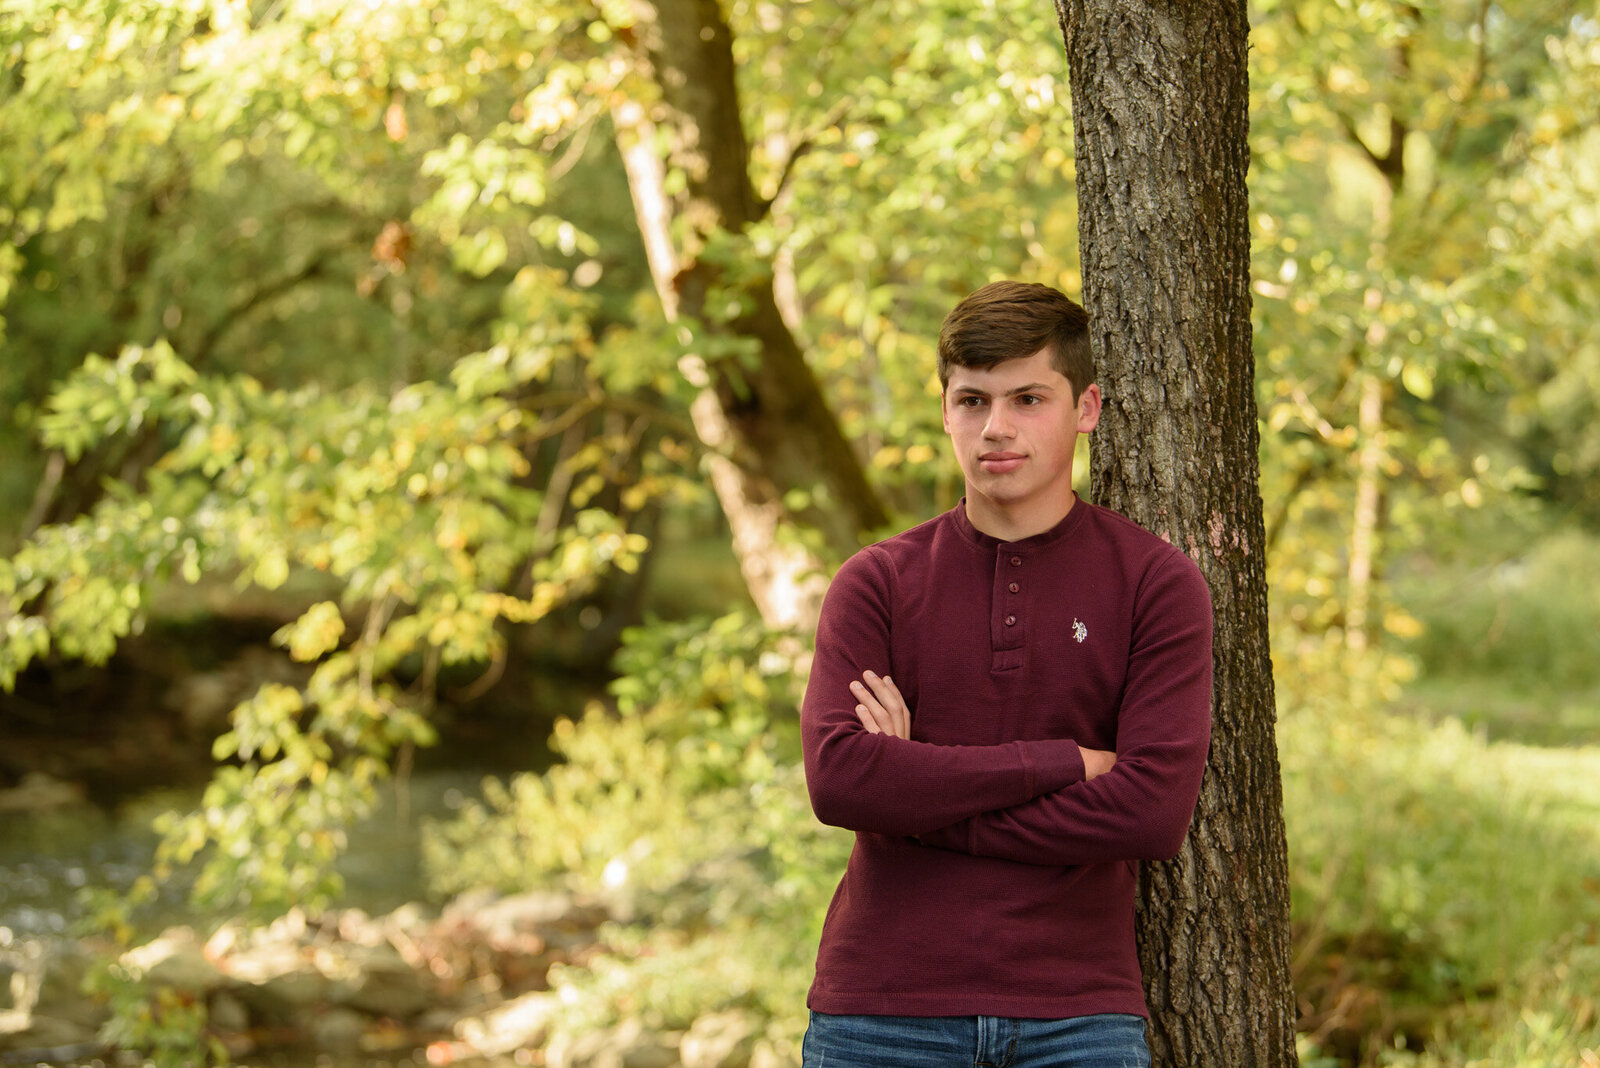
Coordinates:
column 1012, row 321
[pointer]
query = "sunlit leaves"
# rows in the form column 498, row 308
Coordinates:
column 413, row 504
column 478, row 183
column 695, row 747
column 689, row 807
column 542, row 320
column 108, row 397
column 1387, row 271
column 315, row 633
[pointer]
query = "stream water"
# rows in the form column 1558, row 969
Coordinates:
column 47, row 856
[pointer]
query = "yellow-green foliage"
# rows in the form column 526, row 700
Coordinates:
column 166, row 1024
column 410, row 507
column 1447, row 882
column 686, row 808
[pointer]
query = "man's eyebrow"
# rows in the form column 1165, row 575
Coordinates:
column 1031, row 387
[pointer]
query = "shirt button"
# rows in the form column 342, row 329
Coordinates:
column 1016, row 561
column 1014, row 587
column 1011, row 621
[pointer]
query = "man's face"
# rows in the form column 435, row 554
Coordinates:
column 1014, row 426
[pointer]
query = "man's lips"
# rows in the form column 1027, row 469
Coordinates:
column 1000, row 462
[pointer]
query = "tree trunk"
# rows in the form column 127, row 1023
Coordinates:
column 1364, row 523
column 1159, row 104
column 763, row 417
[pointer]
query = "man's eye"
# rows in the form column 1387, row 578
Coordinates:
column 1028, row 399
column 970, row 402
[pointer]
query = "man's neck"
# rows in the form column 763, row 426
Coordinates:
column 1015, row 524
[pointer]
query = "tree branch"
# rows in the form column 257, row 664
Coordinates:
column 313, row 268
column 833, row 117
column 1349, row 126
column 835, row 33
column 578, row 143
column 1384, row 163
column 55, row 467
column 583, row 403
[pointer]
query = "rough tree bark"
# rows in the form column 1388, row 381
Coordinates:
column 1160, row 115
column 764, row 420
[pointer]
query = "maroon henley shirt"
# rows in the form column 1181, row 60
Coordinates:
column 988, row 878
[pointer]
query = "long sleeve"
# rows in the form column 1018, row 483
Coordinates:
column 1142, row 808
column 879, row 784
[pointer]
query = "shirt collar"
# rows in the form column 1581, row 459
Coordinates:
column 1068, row 522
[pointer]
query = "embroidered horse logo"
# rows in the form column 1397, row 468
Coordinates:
column 1079, row 631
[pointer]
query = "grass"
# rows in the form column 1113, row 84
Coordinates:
column 1441, row 884
column 1511, row 640
column 1514, row 710
column 1445, row 851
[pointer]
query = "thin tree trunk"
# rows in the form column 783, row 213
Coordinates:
column 1367, row 519
column 1364, row 526
column 767, row 410
column 1159, row 103
column 784, row 578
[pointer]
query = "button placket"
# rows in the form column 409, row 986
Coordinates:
column 1009, row 631
column 1011, row 617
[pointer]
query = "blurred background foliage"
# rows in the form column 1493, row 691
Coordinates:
column 336, row 319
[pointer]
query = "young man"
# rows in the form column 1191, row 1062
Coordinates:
column 1010, row 705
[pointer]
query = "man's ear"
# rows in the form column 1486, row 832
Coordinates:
column 944, row 409
column 1089, row 408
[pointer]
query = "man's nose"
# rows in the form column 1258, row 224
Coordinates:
column 999, row 423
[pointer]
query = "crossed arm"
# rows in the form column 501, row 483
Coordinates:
column 1045, row 802
column 882, row 710
column 882, row 784
column 1141, row 813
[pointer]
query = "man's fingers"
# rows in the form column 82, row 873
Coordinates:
column 866, row 720
column 889, row 696
column 880, row 706
column 871, row 712
column 881, row 698
column 884, row 689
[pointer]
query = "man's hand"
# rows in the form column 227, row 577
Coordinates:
column 1096, row 762
column 880, row 707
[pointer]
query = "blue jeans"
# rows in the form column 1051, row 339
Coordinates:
column 1106, row 1041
